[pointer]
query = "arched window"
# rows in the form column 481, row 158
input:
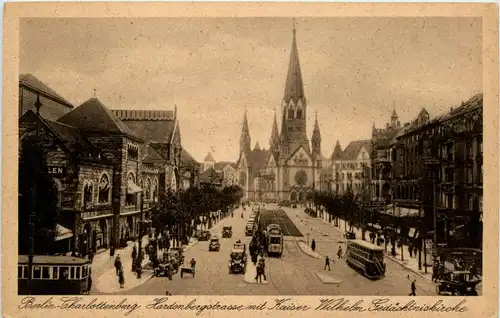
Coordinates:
column 155, row 190
column 290, row 114
column 299, row 113
column 88, row 193
column 147, row 189
column 104, row 189
column 132, row 190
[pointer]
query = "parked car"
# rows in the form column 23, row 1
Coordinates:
column 214, row 244
column 350, row 235
column 457, row 283
column 204, row 236
column 227, row 232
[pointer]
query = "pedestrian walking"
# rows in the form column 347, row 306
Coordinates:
column 262, row 264
column 89, row 281
column 413, row 289
column 339, row 252
column 121, row 278
column 258, row 277
column 313, row 245
column 91, row 256
column 118, row 264
column 327, row 262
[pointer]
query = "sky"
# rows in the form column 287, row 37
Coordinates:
column 355, row 70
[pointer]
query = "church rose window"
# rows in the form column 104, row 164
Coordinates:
column 301, row 178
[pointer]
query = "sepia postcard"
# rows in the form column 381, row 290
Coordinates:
column 274, row 159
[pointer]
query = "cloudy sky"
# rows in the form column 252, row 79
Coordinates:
column 354, row 70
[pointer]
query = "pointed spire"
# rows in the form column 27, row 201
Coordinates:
column 337, row 151
column 394, row 115
column 245, row 141
column 257, row 146
column 274, row 141
column 294, row 88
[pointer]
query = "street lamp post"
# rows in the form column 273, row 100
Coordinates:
column 139, row 253
column 32, row 215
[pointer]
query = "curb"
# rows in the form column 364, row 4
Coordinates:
column 407, row 267
column 317, row 256
column 334, row 281
column 148, row 277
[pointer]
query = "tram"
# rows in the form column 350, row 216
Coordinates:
column 53, row 275
column 274, row 240
column 367, row 257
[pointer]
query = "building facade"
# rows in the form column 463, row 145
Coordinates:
column 109, row 166
column 352, row 167
column 291, row 168
column 438, row 169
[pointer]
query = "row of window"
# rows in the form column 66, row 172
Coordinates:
column 104, row 190
column 54, row 272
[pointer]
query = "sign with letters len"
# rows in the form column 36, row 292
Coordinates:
column 56, row 170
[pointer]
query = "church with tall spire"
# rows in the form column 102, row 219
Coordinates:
column 291, row 168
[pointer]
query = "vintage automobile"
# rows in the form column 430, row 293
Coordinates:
column 249, row 229
column 457, row 283
column 238, row 259
column 240, row 246
column 350, row 235
column 204, row 236
column 177, row 254
column 227, row 232
column 214, row 244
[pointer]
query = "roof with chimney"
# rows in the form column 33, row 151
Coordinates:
column 94, row 117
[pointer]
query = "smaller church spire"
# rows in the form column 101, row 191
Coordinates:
column 245, row 141
column 316, row 137
column 257, row 146
column 337, row 152
column 274, row 141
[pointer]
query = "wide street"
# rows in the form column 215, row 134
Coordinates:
column 295, row 273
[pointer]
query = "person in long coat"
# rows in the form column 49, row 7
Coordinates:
column 121, row 279
column 313, row 245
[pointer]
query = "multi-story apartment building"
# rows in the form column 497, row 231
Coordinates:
column 438, row 167
column 351, row 167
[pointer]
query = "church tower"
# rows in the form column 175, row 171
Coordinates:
column 294, row 106
column 316, row 139
column 274, row 141
column 245, row 141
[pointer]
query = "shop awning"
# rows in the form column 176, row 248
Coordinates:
column 401, row 211
column 63, row 233
column 132, row 187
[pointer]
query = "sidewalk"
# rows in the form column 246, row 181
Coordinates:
column 104, row 273
column 251, row 272
column 108, row 281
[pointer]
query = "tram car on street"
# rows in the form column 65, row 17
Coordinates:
column 53, row 275
column 366, row 257
column 274, row 240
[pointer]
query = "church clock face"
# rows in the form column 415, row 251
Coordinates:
column 301, row 178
